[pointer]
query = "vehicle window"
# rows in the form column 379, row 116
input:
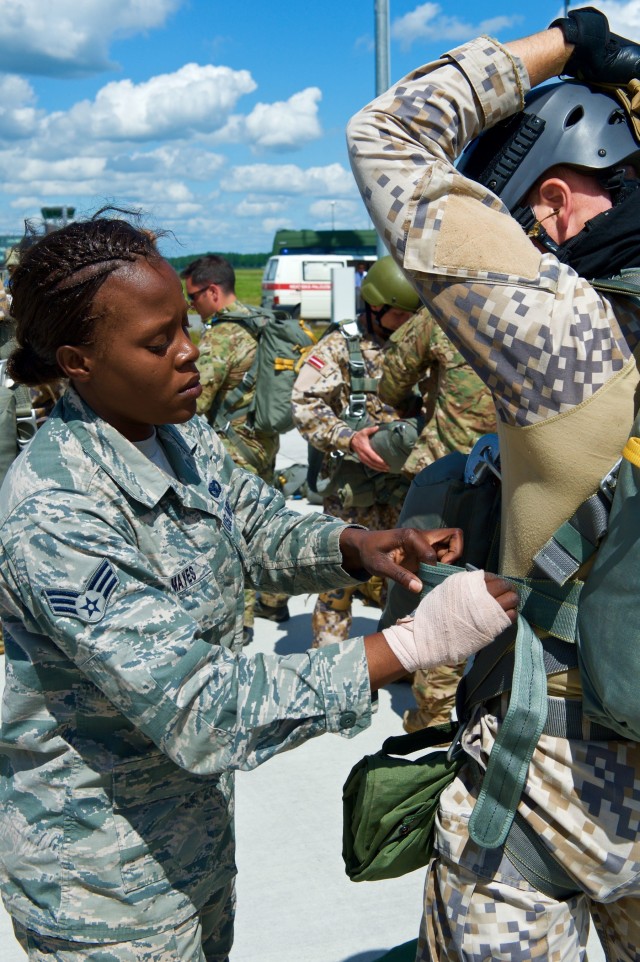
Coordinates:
column 272, row 267
column 319, row 270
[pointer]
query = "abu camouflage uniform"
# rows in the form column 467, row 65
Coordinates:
column 227, row 351
column 559, row 359
column 127, row 703
column 320, row 395
column 458, row 409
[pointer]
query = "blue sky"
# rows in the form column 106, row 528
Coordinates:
column 221, row 121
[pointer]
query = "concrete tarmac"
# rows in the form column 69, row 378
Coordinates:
column 295, row 903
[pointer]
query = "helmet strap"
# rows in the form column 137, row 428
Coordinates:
column 618, row 184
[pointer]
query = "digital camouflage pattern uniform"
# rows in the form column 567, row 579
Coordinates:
column 319, row 398
column 227, row 351
column 558, row 357
column 458, row 408
column 127, row 703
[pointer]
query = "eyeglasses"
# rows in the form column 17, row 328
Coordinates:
column 193, row 294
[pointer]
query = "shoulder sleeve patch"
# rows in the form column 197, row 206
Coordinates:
column 90, row 602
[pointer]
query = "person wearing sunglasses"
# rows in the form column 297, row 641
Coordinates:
column 227, row 354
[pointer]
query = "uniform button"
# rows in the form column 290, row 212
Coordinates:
column 215, row 488
column 348, row 719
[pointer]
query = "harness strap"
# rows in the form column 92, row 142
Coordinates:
column 227, row 430
column 575, row 541
column 359, row 384
column 515, row 742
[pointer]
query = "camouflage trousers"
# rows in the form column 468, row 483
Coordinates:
column 205, row 937
column 331, row 619
column 582, row 798
column 435, row 695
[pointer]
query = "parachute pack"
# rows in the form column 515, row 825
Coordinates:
column 283, row 344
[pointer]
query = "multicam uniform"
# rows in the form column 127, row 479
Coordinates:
column 557, row 356
column 319, row 398
column 458, row 409
column 227, row 351
column 126, row 704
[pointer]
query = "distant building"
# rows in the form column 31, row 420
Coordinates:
column 354, row 243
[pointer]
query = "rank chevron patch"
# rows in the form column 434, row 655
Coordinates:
column 88, row 605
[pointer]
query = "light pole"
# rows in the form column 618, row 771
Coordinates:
column 383, row 80
column 333, row 215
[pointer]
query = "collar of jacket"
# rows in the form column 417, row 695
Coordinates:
column 129, row 468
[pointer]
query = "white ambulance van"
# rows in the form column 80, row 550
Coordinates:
column 301, row 283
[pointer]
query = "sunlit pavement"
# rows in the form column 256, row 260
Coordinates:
column 295, row 903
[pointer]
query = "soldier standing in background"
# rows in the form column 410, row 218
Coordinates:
column 360, row 489
column 458, row 408
column 227, row 353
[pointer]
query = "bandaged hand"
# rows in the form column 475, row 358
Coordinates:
column 456, row 619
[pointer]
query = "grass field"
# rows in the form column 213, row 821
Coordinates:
column 248, row 281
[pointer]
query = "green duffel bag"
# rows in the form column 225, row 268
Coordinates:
column 390, row 805
column 402, row 953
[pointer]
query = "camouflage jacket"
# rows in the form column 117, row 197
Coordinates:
column 128, row 702
column 321, row 392
column 457, row 405
column 227, row 351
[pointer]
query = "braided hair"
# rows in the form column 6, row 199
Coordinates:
column 55, row 285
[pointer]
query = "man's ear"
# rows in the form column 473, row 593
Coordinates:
column 555, row 194
column 76, row 362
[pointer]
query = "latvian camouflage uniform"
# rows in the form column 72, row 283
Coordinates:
column 458, row 408
column 319, row 398
column 227, row 351
column 559, row 358
column 127, row 702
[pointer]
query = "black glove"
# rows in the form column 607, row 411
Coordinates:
column 599, row 55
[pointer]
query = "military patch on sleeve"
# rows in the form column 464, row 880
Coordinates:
column 91, row 603
column 315, row 361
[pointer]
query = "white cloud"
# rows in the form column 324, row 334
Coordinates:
column 18, row 118
column 255, row 208
column 71, row 37
column 193, row 99
column 338, row 213
column 271, row 224
column 428, row 23
column 624, row 18
column 202, row 164
column 280, row 126
column 329, row 181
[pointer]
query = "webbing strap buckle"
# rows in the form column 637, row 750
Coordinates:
column 357, row 405
column 483, row 457
column 609, row 482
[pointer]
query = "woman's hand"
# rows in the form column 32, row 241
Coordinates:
column 459, row 617
column 396, row 553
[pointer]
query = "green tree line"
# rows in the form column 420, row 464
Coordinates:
column 236, row 260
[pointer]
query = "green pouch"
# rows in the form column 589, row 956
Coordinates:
column 390, row 804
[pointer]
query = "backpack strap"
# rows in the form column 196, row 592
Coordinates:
column 359, row 384
column 223, row 414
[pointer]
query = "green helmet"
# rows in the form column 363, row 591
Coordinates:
column 384, row 283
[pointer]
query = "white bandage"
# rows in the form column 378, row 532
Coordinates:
column 452, row 622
